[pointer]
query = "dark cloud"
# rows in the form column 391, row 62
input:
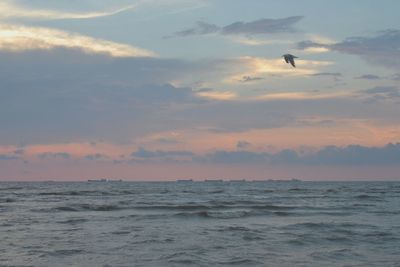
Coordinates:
column 19, row 151
column 261, row 26
column 142, row 153
column 369, row 77
column 327, row 156
column 8, row 157
column 200, row 29
column 396, row 77
column 357, row 155
column 61, row 155
column 390, row 90
column 96, row 156
column 330, row 74
column 381, row 93
column 204, row 90
column 168, row 141
column 71, row 94
column 382, row 49
column 232, row 157
column 242, row 144
column 250, row 79
column 335, row 75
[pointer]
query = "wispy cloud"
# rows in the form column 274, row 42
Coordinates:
column 382, row 49
column 335, row 75
column 369, row 77
column 10, row 9
column 62, row 155
column 218, row 95
column 257, row 27
column 143, row 154
column 20, row 38
column 329, row 74
column 381, row 93
column 300, row 96
column 258, row 66
column 252, row 41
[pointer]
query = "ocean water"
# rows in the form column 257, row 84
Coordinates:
column 200, row 224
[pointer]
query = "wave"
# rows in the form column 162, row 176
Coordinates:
column 74, row 221
column 326, row 225
column 369, row 197
column 7, row 200
column 86, row 207
column 67, row 252
column 241, row 262
column 12, row 188
column 77, row 193
column 216, row 206
column 215, row 214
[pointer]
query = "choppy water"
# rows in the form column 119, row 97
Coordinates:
column 200, row 224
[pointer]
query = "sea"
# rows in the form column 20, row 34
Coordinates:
column 212, row 223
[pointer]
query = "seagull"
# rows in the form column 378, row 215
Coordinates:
column 290, row 58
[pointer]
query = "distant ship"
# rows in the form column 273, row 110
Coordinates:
column 185, row 181
column 213, row 180
column 238, row 181
column 97, row 180
column 103, row 180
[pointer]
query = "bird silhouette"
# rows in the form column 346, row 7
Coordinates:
column 290, row 59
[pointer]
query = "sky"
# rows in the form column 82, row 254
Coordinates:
column 198, row 89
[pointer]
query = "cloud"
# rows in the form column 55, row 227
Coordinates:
column 233, row 157
column 257, row 27
column 18, row 38
column 242, row 144
column 8, row 157
column 396, row 77
column 19, row 151
column 200, row 29
column 382, row 49
column 381, row 93
column 142, row 153
column 96, row 156
column 13, row 9
column 300, row 96
column 73, row 96
column 218, row 95
column 262, row 26
column 331, row 74
column 243, row 67
column 369, row 77
column 391, row 90
column 326, row 156
column 61, row 155
column 97, row 98
column 167, row 141
column 335, row 75
column 250, row 40
column 356, row 155
column 246, row 79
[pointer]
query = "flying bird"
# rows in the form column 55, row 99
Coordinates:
column 290, row 58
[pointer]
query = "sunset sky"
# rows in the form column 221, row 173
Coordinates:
column 173, row 89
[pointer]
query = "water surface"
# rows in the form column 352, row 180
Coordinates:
column 200, row 224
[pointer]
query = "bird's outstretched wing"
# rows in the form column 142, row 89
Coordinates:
column 286, row 59
column 291, row 59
